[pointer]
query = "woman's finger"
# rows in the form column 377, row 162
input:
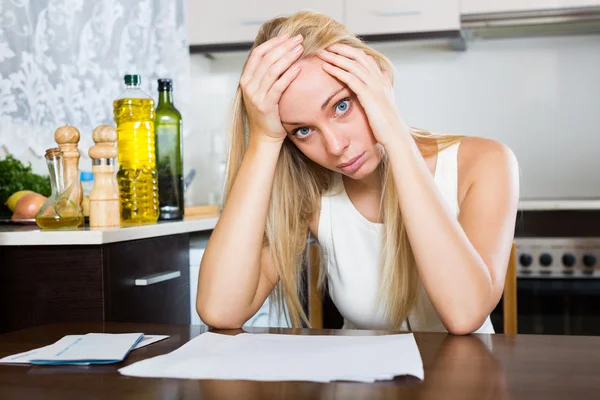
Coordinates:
column 354, row 83
column 257, row 54
column 347, row 65
column 377, row 70
column 355, row 54
column 277, row 89
column 277, row 69
column 270, row 58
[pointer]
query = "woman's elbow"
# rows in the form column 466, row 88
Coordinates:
column 464, row 324
column 460, row 330
column 217, row 317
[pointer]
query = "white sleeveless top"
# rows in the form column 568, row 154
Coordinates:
column 352, row 249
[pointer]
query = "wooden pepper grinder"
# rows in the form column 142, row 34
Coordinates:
column 104, row 197
column 67, row 138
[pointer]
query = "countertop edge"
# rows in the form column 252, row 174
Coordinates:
column 165, row 229
column 98, row 237
column 550, row 205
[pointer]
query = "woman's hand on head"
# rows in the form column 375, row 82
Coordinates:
column 372, row 88
column 268, row 73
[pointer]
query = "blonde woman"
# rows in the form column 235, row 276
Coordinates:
column 415, row 227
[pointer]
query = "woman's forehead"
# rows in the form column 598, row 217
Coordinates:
column 311, row 87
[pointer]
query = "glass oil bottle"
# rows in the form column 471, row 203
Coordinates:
column 61, row 210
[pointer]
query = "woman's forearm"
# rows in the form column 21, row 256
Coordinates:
column 454, row 275
column 231, row 264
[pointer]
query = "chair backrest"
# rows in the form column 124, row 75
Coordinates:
column 509, row 297
column 315, row 297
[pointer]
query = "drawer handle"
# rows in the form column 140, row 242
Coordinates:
column 396, row 13
column 156, row 278
column 256, row 21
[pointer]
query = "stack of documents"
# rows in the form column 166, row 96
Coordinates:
column 270, row 357
column 93, row 348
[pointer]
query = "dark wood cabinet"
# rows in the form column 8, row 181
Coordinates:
column 166, row 301
column 96, row 283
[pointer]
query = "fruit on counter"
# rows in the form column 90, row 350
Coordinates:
column 28, row 206
column 16, row 176
column 11, row 202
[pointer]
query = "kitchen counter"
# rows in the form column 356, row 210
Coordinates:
column 32, row 235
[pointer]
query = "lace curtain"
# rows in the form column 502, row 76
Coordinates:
column 63, row 61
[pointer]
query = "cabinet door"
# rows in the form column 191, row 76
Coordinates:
column 491, row 6
column 219, row 22
column 401, row 16
column 148, row 280
column 50, row 284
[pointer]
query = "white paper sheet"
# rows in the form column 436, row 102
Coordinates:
column 27, row 356
column 269, row 357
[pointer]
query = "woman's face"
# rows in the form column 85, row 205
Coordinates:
column 326, row 122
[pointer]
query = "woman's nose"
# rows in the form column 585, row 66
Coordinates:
column 335, row 143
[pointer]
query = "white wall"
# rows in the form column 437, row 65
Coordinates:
column 540, row 96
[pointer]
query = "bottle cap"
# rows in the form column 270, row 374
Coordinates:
column 54, row 152
column 133, row 79
column 86, row 176
column 165, row 84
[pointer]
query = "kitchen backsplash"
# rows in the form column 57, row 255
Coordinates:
column 537, row 95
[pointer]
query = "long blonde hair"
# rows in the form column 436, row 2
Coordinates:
column 299, row 184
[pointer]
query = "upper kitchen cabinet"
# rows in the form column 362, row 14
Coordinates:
column 381, row 17
column 495, row 6
column 234, row 22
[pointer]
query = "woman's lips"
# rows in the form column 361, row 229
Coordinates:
column 353, row 164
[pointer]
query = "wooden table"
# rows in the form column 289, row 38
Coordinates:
column 467, row 367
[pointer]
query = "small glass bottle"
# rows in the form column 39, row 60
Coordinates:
column 87, row 182
column 169, row 154
column 60, row 211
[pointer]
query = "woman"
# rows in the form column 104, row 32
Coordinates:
column 415, row 227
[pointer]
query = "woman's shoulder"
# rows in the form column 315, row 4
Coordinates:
column 482, row 158
column 477, row 152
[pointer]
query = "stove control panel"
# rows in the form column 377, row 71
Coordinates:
column 558, row 258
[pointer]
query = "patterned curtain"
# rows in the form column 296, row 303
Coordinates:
column 63, row 61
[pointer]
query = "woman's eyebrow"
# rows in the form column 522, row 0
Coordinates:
column 325, row 103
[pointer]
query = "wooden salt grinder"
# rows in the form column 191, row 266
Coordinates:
column 104, row 197
column 67, row 138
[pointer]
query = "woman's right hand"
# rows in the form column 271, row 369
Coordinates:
column 265, row 78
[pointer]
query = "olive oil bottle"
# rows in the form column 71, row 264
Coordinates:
column 169, row 154
column 61, row 210
column 137, row 177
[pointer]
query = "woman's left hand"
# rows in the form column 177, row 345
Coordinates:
column 372, row 87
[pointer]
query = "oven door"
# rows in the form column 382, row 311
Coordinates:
column 558, row 287
column 558, row 306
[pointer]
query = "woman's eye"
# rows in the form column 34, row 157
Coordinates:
column 302, row 132
column 342, row 106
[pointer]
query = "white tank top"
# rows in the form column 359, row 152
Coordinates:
column 352, row 250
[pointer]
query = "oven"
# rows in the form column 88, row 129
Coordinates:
column 558, row 273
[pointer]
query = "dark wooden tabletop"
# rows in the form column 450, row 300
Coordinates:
column 456, row 367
